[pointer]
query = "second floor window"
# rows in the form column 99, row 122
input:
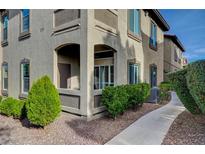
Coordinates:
column 5, row 75
column 153, row 37
column 25, row 77
column 134, row 21
column 5, row 27
column 25, row 20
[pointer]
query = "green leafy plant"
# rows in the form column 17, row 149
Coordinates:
column 179, row 84
column 165, row 88
column 43, row 104
column 118, row 99
column 196, row 82
column 1, row 98
column 115, row 100
column 12, row 107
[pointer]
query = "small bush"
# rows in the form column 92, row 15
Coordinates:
column 145, row 88
column 1, row 98
column 12, row 107
column 179, row 84
column 196, row 82
column 165, row 88
column 43, row 104
column 115, row 100
column 118, row 99
column 137, row 93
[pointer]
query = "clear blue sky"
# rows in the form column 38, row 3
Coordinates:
column 189, row 26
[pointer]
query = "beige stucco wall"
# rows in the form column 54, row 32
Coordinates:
column 151, row 56
column 170, row 64
column 41, row 48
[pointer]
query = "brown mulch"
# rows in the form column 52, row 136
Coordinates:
column 69, row 129
column 186, row 129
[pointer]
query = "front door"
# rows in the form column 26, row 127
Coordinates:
column 153, row 75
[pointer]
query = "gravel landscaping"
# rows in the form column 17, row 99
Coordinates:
column 186, row 129
column 69, row 129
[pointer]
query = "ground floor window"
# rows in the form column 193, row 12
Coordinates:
column 25, row 77
column 103, row 76
column 134, row 73
column 5, row 76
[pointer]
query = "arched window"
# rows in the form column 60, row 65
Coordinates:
column 25, row 76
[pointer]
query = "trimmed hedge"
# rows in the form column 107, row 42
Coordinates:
column 196, row 82
column 43, row 104
column 118, row 99
column 12, row 107
column 179, row 84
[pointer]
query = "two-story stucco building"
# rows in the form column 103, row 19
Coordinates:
column 173, row 54
column 82, row 51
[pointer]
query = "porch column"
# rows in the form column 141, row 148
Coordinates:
column 87, row 63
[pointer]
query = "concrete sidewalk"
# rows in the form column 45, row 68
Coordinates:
column 152, row 127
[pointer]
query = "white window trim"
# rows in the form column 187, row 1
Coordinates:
column 21, row 16
column 136, row 80
column 134, row 32
column 22, row 78
column 109, row 77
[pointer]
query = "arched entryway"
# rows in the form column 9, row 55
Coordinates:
column 68, row 66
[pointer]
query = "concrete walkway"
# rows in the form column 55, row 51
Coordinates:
column 152, row 127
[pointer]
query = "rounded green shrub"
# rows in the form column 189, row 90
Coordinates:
column 12, row 107
column 179, row 84
column 137, row 93
column 43, row 104
column 115, row 100
column 196, row 82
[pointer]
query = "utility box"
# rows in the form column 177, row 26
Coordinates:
column 154, row 95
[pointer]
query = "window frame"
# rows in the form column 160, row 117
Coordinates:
column 24, row 62
column 3, row 71
column 138, row 79
column 133, row 33
column 23, row 34
column 154, row 36
column 109, row 83
column 4, row 41
column 22, row 21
